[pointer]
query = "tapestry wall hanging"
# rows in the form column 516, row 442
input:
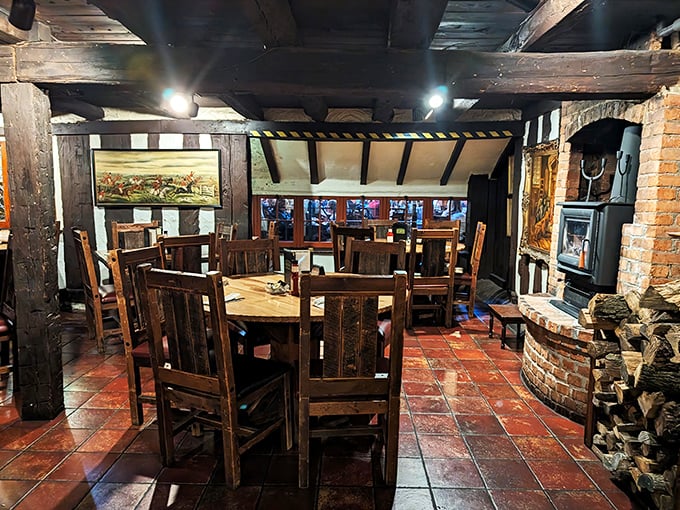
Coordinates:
column 180, row 178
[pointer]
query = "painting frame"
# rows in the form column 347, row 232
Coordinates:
column 538, row 199
column 157, row 178
column 4, row 187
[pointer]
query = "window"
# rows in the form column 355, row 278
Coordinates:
column 306, row 221
column 319, row 214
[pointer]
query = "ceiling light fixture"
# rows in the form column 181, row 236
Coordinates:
column 437, row 97
column 180, row 103
column 22, row 13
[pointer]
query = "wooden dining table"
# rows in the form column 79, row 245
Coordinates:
column 279, row 314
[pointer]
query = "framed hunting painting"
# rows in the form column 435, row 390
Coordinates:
column 179, row 178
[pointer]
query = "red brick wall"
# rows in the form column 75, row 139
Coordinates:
column 648, row 254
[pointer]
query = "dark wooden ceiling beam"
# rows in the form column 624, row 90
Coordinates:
column 365, row 157
column 405, row 156
column 370, row 73
column 546, row 17
column 383, row 110
column 450, row 165
column 315, row 107
column 273, row 20
column 413, row 23
column 313, row 162
column 82, row 108
column 243, row 104
column 270, row 158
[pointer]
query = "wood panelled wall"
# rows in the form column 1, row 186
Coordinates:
column 74, row 153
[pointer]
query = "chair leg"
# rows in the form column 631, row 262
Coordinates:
column 165, row 433
column 303, row 444
column 232, row 459
column 134, row 390
column 287, row 403
column 392, row 443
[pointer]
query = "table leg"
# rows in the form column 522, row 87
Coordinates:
column 491, row 325
column 503, row 335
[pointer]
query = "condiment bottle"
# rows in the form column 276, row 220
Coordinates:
column 295, row 278
column 390, row 236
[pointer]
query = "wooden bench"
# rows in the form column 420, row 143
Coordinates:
column 507, row 314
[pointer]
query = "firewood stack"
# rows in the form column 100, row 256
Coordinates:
column 634, row 422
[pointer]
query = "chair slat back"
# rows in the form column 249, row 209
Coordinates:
column 133, row 235
column 189, row 309
column 374, row 257
column 350, row 328
column 477, row 246
column 188, row 252
column 226, row 231
column 339, row 236
column 249, row 256
column 88, row 270
column 432, row 223
column 124, row 265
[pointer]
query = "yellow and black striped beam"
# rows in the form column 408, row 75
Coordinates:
column 372, row 132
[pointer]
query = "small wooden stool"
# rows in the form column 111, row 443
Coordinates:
column 507, row 314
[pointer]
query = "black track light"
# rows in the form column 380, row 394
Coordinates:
column 22, row 13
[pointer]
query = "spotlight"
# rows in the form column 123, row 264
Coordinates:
column 22, row 13
column 180, row 103
column 437, row 97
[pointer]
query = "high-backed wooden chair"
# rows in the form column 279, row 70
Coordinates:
column 272, row 229
column 189, row 252
column 380, row 227
column 431, row 277
column 374, row 257
column 339, row 236
column 249, row 256
column 246, row 399
column 348, row 382
column 100, row 299
column 124, row 265
column 133, row 235
column 466, row 283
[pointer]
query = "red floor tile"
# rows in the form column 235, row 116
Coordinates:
column 443, row 446
column 492, row 447
column 578, row 500
column 162, row 496
column 479, row 424
column 417, row 375
column 561, row 426
column 11, row 491
column 418, row 388
column 434, row 424
column 533, row 447
column 31, row 465
column 61, row 439
column 431, row 405
column 83, row 466
column 108, row 440
column 523, row 426
column 467, row 499
column 346, row 471
column 332, row 498
column 460, row 389
column 126, row 495
column 55, row 495
column 494, row 391
column 411, row 473
column 88, row 418
column 460, row 473
column 408, row 445
column 468, row 405
column 560, row 475
column 507, row 474
column 510, row 406
column 486, row 376
column 512, row 499
column 450, row 375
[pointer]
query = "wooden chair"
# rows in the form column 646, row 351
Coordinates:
column 246, row 399
column 339, row 236
column 226, row 231
column 100, row 299
column 133, row 235
column 188, row 252
column 348, row 382
column 124, row 265
column 431, row 280
column 249, row 256
column 374, row 257
column 8, row 342
column 432, row 223
column 466, row 283
column 380, row 227
column 272, row 229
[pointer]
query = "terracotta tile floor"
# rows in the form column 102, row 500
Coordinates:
column 472, row 437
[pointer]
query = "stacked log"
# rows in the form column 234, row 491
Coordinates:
column 636, row 389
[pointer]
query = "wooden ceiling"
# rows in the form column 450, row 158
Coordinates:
column 380, row 55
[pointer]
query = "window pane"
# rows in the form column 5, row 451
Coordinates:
column 372, row 209
column 268, row 213
column 284, row 216
column 354, row 212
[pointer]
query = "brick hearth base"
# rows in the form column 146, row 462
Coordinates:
column 555, row 365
